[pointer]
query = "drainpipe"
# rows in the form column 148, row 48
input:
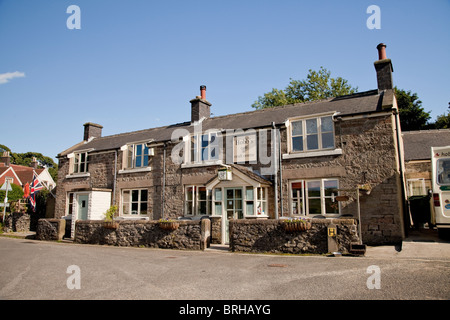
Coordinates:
column 163, row 182
column 275, row 153
column 281, row 173
column 115, row 177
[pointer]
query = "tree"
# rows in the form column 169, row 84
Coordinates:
column 26, row 158
column 443, row 121
column 317, row 85
column 412, row 114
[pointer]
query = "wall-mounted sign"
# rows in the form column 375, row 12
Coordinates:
column 244, row 148
column 224, row 174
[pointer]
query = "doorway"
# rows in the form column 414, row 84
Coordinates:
column 82, row 204
column 233, row 208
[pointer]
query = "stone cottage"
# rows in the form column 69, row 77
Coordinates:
column 299, row 160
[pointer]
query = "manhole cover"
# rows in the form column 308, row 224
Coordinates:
column 277, row 265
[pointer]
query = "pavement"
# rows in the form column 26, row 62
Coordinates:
column 420, row 244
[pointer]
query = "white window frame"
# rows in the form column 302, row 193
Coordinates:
column 194, row 204
column 304, row 196
column 77, row 162
column 410, row 182
column 318, row 118
column 130, row 203
column 196, row 149
column 132, row 156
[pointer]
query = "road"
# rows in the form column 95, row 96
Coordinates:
column 33, row 270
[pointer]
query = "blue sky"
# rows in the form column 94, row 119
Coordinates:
column 136, row 64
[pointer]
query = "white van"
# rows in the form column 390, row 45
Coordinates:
column 440, row 170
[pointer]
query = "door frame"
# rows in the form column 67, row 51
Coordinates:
column 225, row 225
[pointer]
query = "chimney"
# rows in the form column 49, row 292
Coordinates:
column 92, row 130
column 34, row 163
column 5, row 158
column 200, row 107
column 384, row 69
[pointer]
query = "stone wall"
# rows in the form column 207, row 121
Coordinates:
column 270, row 236
column 142, row 233
column 17, row 222
column 50, row 229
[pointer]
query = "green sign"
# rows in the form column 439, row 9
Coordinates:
column 445, row 188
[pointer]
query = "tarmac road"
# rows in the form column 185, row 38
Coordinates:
column 39, row 270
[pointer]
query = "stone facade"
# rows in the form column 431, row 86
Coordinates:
column 369, row 156
column 269, row 236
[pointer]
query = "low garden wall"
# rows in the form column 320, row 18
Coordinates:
column 17, row 222
column 270, row 236
column 50, row 229
column 193, row 235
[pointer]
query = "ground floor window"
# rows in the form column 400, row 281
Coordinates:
column 70, row 203
column 314, row 197
column 244, row 201
column 197, row 201
column 135, row 202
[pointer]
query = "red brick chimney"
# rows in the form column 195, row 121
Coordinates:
column 384, row 69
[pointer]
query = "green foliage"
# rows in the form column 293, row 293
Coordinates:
column 317, row 85
column 25, row 159
column 443, row 121
column 14, row 195
column 412, row 114
column 109, row 214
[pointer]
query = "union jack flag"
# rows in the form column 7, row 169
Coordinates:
column 35, row 187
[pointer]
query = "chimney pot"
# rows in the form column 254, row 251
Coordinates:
column 381, row 51
column 203, row 92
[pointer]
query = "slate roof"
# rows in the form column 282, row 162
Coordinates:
column 359, row 103
column 417, row 144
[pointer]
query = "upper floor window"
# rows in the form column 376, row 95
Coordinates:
column 137, row 156
column 204, row 147
column 81, row 162
column 312, row 134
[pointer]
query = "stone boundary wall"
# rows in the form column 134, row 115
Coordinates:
column 17, row 222
column 50, row 229
column 191, row 235
column 269, row 236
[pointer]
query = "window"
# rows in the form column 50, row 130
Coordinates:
column 217, row 202
column 137, row 156
column 416, row 187
column 312, row 134
column 261, row 201
column 134, row 202
column 204, row 147
column 197, row 201
column 314, row 197
column 443, row 172
column 70, row 203
column 81, row 162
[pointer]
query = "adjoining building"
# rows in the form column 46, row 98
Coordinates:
column 299, row 160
